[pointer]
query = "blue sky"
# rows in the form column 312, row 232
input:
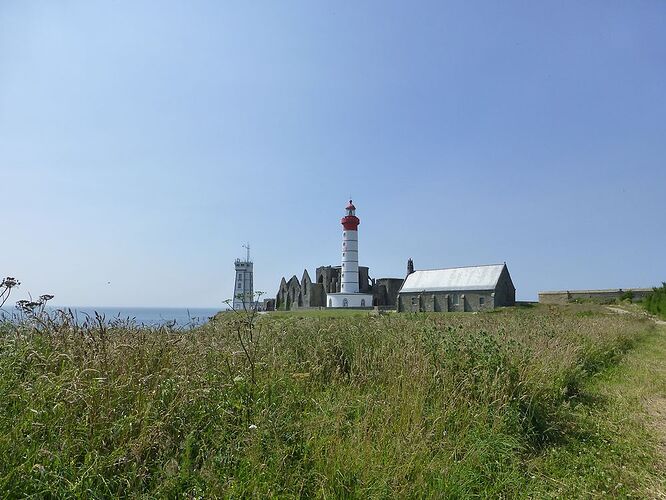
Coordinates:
column 141, row 143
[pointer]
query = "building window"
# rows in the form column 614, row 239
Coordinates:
column 456, row 299
column 414, row 301
column 330, row 302
column 482, row 300
column 345, row 303
column 362, row 302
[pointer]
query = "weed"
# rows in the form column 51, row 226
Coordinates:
column 656, row 301
column 291, row 405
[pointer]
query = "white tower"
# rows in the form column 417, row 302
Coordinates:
column 349, row 295
column 349, row 279
column 243, row 287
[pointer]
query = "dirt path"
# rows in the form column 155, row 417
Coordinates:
column 644, row 381
column 653, row 358
column 655, row 403
column 620, row 310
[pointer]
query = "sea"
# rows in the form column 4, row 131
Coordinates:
column 147, row 316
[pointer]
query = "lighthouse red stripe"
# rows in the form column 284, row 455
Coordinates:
column 350, row 222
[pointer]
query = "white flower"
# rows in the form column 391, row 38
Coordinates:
column 252, row 427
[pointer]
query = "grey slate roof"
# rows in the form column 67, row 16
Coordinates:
column 454, row 279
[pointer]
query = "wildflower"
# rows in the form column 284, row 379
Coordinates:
column 252, row 427
column 9, row 282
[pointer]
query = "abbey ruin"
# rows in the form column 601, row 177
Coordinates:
column 307, row 294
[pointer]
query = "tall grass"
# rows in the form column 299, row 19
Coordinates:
column 656, row 301
column 355, row 406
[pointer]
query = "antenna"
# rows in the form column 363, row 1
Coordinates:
column 247, row 247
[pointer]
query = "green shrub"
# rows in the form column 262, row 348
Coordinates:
column 655, row 302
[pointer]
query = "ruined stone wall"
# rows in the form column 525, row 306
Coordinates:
column 281, row 297
column 364, row 279
column 385, row 291
column 267, row 305
column 317, row 296
column 329, row 277
column 294, row 298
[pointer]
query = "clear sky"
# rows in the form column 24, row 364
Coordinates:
column 142, row 142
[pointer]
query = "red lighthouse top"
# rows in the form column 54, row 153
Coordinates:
column 350, row 222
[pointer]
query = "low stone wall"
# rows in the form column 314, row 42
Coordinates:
column 566, row 296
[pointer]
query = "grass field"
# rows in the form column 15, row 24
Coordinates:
column 527, row 402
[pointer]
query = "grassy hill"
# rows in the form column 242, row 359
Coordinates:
column 352, row 405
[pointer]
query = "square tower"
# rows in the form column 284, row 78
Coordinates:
column 243, row 286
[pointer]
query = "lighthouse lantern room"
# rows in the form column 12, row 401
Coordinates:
column 349, row 295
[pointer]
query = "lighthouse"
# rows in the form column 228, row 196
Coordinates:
column 349, row 280
column 349, row 295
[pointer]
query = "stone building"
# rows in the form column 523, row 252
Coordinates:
column 457, row 289
column 266, row 305
column 306, row 294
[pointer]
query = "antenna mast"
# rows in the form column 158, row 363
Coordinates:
column 247, row 247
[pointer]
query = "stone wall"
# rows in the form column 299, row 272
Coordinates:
column 363, row 279
column 267, row 305
column 505, row 292
column 385, row 291
column 294, row 299
column 329, row 278
column 566, row 296
column 462, row 301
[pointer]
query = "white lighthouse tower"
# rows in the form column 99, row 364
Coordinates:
column 243, row 287
column 349, row 295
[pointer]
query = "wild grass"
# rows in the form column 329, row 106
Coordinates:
column 655, row 302
column 286, row 405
